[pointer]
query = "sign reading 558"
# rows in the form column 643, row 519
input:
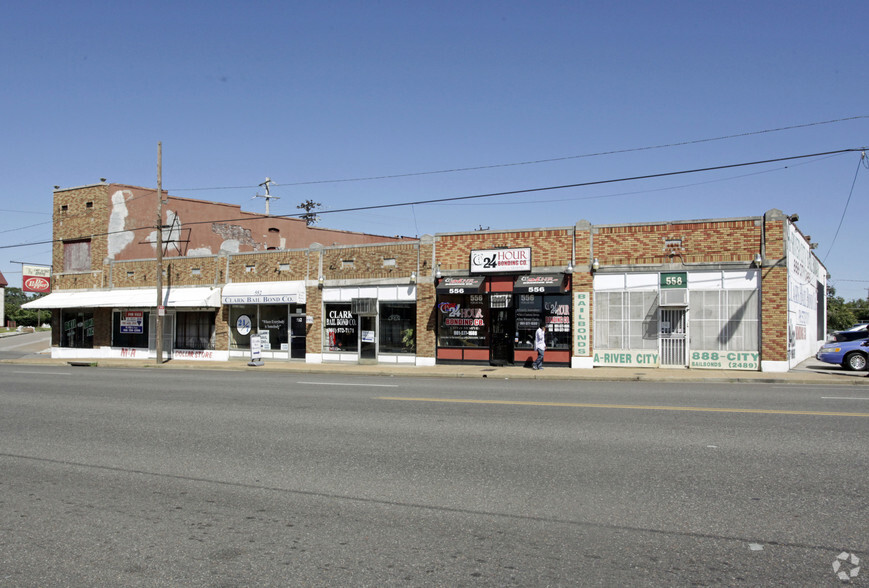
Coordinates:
column 674, row 280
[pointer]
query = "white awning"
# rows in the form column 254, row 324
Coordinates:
column 290, row 292
column 129, row 298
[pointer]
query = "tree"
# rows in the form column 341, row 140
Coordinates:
column 840, row 314
column 309, row 206
column 14, row 298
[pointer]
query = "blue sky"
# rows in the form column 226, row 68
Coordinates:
column 306, row 93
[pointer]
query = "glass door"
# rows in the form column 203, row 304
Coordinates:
column 368, row 338
column 502, row 332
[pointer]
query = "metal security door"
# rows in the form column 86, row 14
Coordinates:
column 672, row 337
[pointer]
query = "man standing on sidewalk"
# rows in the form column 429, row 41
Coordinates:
column 539, row 346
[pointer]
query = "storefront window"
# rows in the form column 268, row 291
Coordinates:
column 626, row 320
column 397, row 327
column 340, row 328
column 463, row 321
column 273, row 320
column 130, row 328
column 725, row 320
column 78, row 329
column 242, row 319
column 532, row 310
column 194, row 330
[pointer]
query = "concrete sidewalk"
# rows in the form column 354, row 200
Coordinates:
column 809, row 372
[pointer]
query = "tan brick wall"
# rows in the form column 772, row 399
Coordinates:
column 77, row 281
column 266, row 266
column 314, row 308
column 426, row 320
column 221, row 329
column 178, row 271
column 370, row 263
column 550, row 247
column 706, row 242
column 80, row 221
column 102, row 327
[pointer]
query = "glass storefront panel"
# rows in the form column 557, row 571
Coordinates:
column 242, row 319
column 273, row 320
column 130, row 328
column 340, row 328
column 194, row 330
column 77, row 329
column 556, row 315
column 533, row 310
column 463, row 320
column 397, row 327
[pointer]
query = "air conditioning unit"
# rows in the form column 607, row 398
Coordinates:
column 673, row 297
column 366, row 306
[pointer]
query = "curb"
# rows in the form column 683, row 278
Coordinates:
column 797, row 377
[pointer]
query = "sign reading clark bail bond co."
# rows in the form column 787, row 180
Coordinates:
column 492, row 261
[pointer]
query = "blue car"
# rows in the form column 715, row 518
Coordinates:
column 851, row 355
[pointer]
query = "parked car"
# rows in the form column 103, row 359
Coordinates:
column 858, row 331
column 851, row 355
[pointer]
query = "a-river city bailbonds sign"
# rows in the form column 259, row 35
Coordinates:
column 697, row 359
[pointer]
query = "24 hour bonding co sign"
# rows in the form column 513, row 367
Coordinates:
column 490, row 261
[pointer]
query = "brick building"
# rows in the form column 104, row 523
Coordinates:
column 743, row 293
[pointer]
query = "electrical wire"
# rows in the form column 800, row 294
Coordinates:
column 539, row 161
column 847, row 202
column 477, row 196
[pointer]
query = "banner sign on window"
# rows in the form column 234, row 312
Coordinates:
column 36, row 278
column 133, row 321
column 492, row 261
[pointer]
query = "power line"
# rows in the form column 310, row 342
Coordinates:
column 539, row 161
column 847, row 202
column 479, row 196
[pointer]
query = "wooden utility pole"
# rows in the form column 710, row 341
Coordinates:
column 159, row 324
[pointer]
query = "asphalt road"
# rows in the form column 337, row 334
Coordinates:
column 26, row 345
column 143, row 477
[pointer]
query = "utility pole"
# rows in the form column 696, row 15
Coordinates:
column 267, row 196
column 159, row 334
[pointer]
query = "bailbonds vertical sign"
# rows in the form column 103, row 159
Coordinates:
column 580, row 325
column 36, row 278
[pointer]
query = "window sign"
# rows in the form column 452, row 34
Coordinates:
column 243, row 325
column 132, row 321
column 463, row 321
column 341, row 328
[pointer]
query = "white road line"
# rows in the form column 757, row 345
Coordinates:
column 339, row 384
column 842, row 398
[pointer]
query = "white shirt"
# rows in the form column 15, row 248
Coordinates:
column 540, row 339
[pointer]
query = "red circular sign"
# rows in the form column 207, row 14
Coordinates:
column 36, row 284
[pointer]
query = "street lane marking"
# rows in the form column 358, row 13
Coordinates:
column 631, row 406
column 842, row 398
column 350, row 384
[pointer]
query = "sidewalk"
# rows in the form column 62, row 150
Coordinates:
column 809, row 372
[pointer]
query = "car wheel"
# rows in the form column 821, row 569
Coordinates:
column 854, row 361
